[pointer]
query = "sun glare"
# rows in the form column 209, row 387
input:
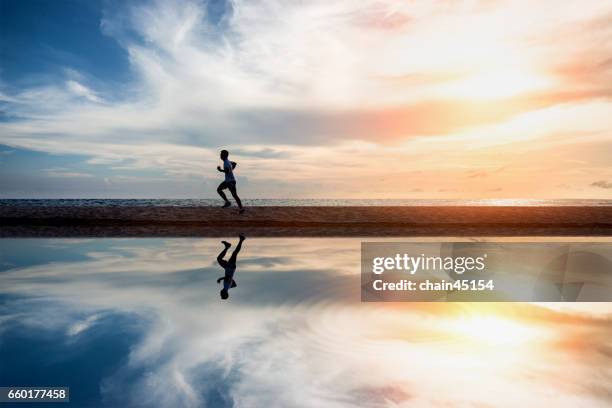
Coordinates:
column 492, row 329
column 501, row 83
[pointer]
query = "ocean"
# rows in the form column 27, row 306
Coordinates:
column 259, row 202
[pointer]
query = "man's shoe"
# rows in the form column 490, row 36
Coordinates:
column 226, row 244
column 227, row 204
column 241, row 211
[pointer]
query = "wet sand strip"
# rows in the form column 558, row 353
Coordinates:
column 138, row 221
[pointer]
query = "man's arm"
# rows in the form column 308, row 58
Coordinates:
column 224, row 170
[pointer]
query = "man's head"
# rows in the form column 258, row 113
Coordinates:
column 224, row 294
column 224, row 154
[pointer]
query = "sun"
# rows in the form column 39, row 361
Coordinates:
column 497, row 83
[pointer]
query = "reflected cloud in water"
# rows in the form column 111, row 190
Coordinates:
column 139, row 322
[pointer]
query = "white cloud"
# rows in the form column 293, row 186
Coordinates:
column 80, row 326
column 83, row 91
column 65, row 173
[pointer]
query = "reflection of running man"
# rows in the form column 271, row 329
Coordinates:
column 229, row 266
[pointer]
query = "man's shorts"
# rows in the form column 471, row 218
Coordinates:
column 227, row 184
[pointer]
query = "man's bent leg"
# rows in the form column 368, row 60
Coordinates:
column 235, row 253
column 220, row 191
column 221, row 255
column 232, row 189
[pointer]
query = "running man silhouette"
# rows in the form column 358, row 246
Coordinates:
column 229, row 266
column 229, row 182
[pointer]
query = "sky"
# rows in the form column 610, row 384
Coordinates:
column 371, row 99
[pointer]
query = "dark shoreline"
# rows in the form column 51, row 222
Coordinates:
column 133, row 221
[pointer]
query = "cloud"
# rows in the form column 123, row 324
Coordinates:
column 602, row 184
column 478, row 174
column 65, row 173
column 81, row 90
column 263, row 72
column 264, row 153
column 81, row 326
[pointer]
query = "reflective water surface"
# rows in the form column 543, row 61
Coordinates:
column 182, row 322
